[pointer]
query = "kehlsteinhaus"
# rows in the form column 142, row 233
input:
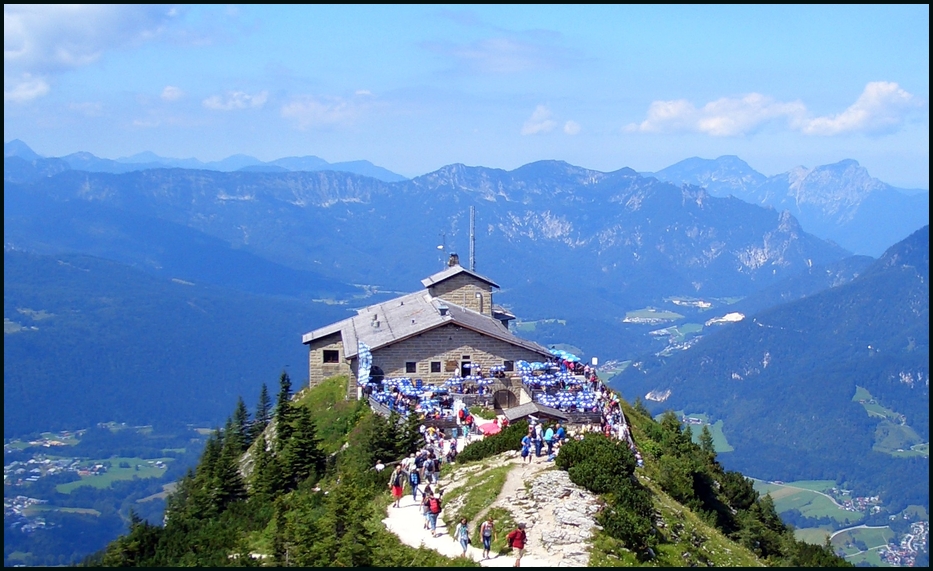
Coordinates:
column 450, row 328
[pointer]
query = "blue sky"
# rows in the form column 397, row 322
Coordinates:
column 414, row 88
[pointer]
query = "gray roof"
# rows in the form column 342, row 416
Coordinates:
column 530, row 408
column 389, row 322
column 451, row 272
column 500, row 312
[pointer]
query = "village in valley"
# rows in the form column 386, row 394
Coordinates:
column 38, row 470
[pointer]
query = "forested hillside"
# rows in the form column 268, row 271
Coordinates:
column 294, row 485
column 785, row 382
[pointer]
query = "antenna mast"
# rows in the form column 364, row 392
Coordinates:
column 443, row 248
column 472, row 238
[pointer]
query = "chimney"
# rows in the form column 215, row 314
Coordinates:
column 453, row 261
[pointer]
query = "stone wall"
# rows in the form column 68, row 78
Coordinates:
column 447, row 345
column 318, row 370
column 462, row 289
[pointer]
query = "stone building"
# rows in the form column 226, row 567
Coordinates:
column 450, row 328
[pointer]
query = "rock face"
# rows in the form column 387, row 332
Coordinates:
column 559, row 516
column 840, row 202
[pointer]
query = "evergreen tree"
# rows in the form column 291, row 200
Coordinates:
column 241, row 424
column 706, row 441
column 284, row 412
column 263, row 413
column 301, row 455
column 134, row 549
column 227, row 484
column 266, row 479
column 232, row 436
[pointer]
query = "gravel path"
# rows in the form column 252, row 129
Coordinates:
column 558, row 514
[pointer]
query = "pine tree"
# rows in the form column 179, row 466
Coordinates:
column 266, row 479
column 134, row 549
column 227, row 484
column 241, row 424
column 232, row 437
column 284, row 412
column 263, row 413
column 302, row 456
column 706, row 441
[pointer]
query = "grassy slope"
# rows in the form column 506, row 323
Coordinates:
column 335, row 417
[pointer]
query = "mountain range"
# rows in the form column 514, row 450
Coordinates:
column 85, row 161
column 834, row 385
column 577, row 245
column 159, row 294
column 840, row 202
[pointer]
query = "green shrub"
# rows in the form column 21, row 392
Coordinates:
column 676, row 477
column 606, row 466
column 597, row 463
column 508, row 439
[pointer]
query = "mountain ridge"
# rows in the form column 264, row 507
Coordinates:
column 839, row 201
column 810, row 355
column 145, row 160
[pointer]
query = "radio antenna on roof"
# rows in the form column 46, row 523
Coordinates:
column 472, row 239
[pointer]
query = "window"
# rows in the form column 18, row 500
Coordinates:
column 331, row 356
column 435, row 366
column 465, row 357
column 411, row 367
column 509, row 365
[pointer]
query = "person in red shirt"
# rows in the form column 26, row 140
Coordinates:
column 517, row 539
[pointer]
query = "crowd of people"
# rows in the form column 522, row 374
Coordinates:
column 420, row 471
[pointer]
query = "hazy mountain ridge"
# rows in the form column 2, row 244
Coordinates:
column 346, row 226
column 840, row 201
column 83, row 160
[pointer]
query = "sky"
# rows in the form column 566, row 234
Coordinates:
column 415, row 88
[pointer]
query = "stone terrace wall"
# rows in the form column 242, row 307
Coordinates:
column 447, row 345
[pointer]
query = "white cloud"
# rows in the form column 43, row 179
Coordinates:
column 539, row 122
column 364, row 93
column 311, row 112
column 571, row 127
column 24, row 89
column 235, row 100
column 172, row 93
column 725, row 117
column 882, row 107
column 39, row 38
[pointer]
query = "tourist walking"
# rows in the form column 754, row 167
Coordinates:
column 462, row 533
column 549, row 440
column 488, row 532
column 396, row 481
column 517, row 539
column 526, row 447
column 434, row 509
column 425, row 496
column 539, row 440
column 414, row 479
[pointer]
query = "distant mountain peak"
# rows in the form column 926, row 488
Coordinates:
column 17, row 148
